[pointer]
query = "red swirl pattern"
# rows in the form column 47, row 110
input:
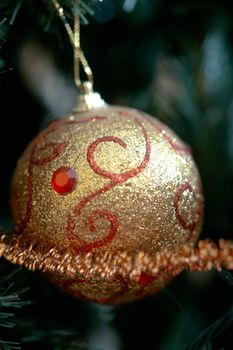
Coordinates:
column 177, row 147
column 186, row 225
column 79, row 244
column 36, row 160
column 76, row 242
column 56, row 149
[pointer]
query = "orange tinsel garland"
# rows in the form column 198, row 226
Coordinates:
column 205, row 257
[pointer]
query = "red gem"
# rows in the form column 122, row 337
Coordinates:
column 64, row 180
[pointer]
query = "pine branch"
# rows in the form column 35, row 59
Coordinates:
column 30, row 328
column 84, row 7
column 9, row 300
column 10, row 9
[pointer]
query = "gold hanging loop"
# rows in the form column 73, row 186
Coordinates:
column 74, row 37
column 77, row 50
column 61, row 14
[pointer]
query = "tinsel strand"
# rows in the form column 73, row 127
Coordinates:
column 205, row 257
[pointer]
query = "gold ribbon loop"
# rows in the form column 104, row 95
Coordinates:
column 74, row 37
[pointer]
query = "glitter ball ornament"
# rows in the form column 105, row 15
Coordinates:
column 110, row 179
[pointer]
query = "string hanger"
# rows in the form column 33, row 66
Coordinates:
column 87, row 98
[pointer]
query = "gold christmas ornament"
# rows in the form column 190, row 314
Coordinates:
column 97, row 192
column 108, row 180
column 107, row 202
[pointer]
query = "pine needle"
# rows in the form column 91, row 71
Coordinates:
column 15, row 12
column 11, row 8
column 9, row 300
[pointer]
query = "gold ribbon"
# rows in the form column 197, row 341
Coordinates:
column 74, row 36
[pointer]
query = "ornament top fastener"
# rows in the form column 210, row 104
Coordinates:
column 88, row 99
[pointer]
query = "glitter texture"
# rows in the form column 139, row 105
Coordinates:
column 138, row 190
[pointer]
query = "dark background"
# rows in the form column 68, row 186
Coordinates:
column 173, row 59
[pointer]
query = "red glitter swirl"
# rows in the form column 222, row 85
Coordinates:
column 56, row 150
column 78, row 244
column 177, row 147
column 86, row 247
column 192, row 225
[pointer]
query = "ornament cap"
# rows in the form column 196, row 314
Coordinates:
column 88, row 99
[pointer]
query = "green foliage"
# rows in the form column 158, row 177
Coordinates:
column 10, row 301
column 22, row 325
column 12, row 7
